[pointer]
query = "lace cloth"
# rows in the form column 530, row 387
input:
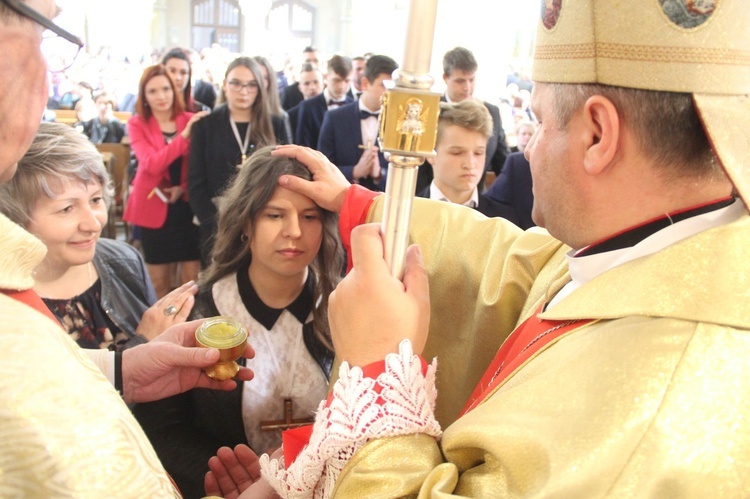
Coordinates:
column 401, row 401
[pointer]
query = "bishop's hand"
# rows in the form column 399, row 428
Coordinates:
column 370, row 311
column 329, row 185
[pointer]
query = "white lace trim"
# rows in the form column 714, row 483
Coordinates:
column 354, row 418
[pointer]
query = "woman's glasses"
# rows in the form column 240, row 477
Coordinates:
column 238, row 86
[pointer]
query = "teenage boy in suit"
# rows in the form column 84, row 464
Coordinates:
column 310, row 85
column 293, row 93
column 336, row 94
column 348, row 134
column 459, row 74
column 461, row 144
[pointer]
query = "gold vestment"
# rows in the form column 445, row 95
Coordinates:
column 64, row 430
column 651, row 400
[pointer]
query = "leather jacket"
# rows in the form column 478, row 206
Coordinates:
column 126, row 287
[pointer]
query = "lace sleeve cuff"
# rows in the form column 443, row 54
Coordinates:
column 400, row 401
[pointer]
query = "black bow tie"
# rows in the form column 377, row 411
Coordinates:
column 336, row 102
column 363, row 115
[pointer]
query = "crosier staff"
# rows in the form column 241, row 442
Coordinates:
column 408, row 130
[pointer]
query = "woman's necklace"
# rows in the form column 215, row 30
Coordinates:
column 88, row 273
column 243, row 145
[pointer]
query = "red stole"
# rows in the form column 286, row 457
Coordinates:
column 30, row 298
column 527, row 339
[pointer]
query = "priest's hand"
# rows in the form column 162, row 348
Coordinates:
column 235, row 474
column 172, row 363
column 328, row 186
column 370, row 311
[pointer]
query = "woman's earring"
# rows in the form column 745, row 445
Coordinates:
column 243, row 238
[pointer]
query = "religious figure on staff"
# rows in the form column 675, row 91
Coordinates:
column 410, row 126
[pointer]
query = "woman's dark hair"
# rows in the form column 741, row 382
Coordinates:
column 187, row 94
column 240, row 207
column 274, row 103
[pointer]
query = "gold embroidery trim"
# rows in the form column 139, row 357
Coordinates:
column 644, row 53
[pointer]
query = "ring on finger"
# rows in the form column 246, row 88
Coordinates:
column 170, row 310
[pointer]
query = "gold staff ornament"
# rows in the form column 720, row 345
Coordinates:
column 408, row 130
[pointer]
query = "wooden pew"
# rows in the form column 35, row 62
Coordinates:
column 117, row 158
column 68, row 116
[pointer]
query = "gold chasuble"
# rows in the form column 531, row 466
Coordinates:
column 64, row 430
column 650, row 399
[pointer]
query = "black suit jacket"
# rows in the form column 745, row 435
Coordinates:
column 497, row 147
column 293, row 114
column 291, row 96
column 340, row 140
column 487, row 207
column 204, row 93
column 310, row 119
column 514, row 187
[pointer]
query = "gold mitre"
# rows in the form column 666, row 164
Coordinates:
column 696, row 46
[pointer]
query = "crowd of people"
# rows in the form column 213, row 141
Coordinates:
column 177, row 177
column 601, row 354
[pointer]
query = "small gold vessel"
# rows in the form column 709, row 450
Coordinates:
column 229, row 337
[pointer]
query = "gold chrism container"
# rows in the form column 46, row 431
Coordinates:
column 229, row 337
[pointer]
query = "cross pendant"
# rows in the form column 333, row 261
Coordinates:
column 288, row 422
column 368, row 146
column 244, row 157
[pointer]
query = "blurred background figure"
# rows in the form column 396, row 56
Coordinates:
column 160, row 138
column 524, row 131
column 514, row 185
column 292, row 93
column 358, row 70
column 310, row 83
column 272, row 91
column 204, row 91
column 180, row 71
column 105, row 128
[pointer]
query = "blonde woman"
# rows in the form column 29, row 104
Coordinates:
column 98, row 288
